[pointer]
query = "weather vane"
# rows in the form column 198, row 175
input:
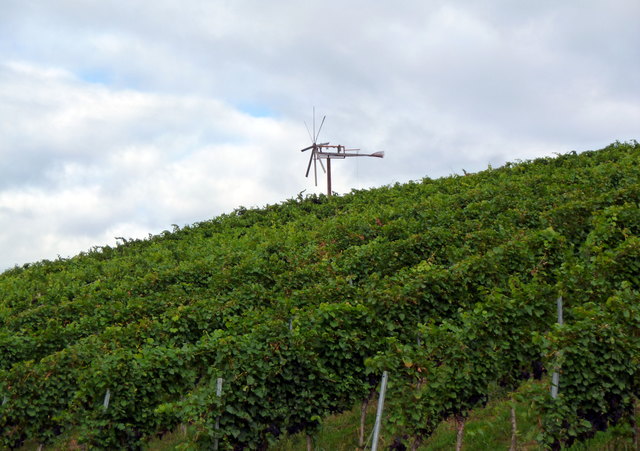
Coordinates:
column 328, row 152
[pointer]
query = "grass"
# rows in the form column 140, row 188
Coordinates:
column 488, row 428
column 338, row 432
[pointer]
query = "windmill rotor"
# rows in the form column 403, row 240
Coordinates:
column 314, row 147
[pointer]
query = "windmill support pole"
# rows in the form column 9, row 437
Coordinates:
column 329, row 177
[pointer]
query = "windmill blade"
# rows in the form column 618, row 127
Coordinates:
column 322, row 165
column 320, row 129
column 309, row 132
column 307, row 148
column 377, row 154
column 313, row 153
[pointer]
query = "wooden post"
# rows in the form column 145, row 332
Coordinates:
column 416, row 443
column 328, row 176
column 363, row 419
column 514, row 427
column 460, row 431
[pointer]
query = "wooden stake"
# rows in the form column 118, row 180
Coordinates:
column 309, row 442
column 514, row 428
column 416, row 443
column 363, row 417
column 460, row 434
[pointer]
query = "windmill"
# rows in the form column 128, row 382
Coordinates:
column 325, row 151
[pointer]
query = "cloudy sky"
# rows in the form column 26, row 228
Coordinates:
column 123, row 118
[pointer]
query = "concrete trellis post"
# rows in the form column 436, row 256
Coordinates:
column 219, row 382
column 107, row 398
column 376, row 429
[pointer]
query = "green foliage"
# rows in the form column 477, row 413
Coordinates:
column 448, row 284
column 598, row 355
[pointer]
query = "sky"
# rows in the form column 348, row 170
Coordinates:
column 121, row 119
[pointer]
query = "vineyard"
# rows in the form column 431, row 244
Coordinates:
column 263, row 322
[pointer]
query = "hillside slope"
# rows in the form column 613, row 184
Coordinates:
column 448, row 284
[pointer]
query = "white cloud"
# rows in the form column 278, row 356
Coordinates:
column 96, row 159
